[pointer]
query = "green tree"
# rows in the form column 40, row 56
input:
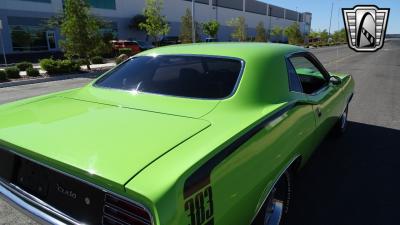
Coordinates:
column 339, row 36
column 186, row 28
column 211, row 28
column 261, row 33
column 314, row 34
column 324, row 35
column 314, row 38
column 294, row 34
column 277, row 32
column 156, row 24
column 240, row 28
column 81, row 31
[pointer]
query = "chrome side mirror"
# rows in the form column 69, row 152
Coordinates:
column 335, row 80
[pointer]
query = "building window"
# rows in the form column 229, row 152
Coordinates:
column 200, row 1
column 44, row 1
column 28, row 34
column 103, row 4
column 109, row 31
column 230, row 4
column 28, row 38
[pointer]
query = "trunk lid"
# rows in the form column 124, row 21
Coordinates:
column 106, row 140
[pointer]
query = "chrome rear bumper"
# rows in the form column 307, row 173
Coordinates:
column 32, row 206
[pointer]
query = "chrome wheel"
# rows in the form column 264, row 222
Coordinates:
column 342, row 124
column 277, row 204
column 343, row 121
column 274, row 210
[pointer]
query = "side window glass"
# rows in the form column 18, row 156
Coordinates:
column 311, row 78
column 294, row 81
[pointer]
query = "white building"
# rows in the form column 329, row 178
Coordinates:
column 24, row 32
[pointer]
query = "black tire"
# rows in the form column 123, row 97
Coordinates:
column 342, row 124
column 276, row 207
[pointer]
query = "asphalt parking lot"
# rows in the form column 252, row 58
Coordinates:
column 351, row 180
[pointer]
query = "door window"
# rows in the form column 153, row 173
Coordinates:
column 311, row 77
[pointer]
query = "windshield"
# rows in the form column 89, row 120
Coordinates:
column 142, row 43
column 185, row 76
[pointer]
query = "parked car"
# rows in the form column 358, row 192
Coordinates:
column 133, row 45
column 169, row 40
column 144, row 45
column 186, row 134
column 211, row 40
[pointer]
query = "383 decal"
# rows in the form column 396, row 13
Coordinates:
column 199, row 207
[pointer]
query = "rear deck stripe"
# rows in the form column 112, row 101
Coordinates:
column 201, row 177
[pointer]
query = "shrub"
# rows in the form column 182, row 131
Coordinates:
column 97, row 60
column 64, row 66
column 50, row 65
column 22, row 66
column 75, row 67
column 82, row 62
column 3, row 75
column 121, row 58
column 59, row 66
column 126, row 51
column 12, row 72
column 67, row 66
column 32, row 72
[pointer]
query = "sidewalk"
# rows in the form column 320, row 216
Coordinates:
column 96, row 71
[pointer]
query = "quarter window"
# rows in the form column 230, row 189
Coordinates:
column 310, row 76
column 294, row 81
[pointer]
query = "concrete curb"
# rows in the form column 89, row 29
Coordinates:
column 48, row 79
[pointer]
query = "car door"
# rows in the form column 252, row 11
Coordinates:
column 320, row 93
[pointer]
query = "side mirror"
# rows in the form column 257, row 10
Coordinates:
column 335, row 80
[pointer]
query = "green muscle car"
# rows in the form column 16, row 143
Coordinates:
column 189, row 135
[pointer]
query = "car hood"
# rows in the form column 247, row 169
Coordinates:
column 106, row 141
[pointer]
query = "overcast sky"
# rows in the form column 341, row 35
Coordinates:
column 321, row 10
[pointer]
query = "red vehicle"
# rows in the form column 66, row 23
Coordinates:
column 133, row 45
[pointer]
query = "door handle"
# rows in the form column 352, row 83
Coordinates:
column 318, row 111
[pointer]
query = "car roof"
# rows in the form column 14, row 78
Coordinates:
column 242, row 50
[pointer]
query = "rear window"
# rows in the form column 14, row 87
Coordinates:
column 185, row 76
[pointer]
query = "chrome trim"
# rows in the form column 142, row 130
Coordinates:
column 2, row 147
column 273, row 184
column 35, row 208
column 239, row 78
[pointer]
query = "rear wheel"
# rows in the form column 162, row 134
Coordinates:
column 275, row 208
column 342, row 124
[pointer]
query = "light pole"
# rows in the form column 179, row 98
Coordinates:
column 284, row 22
column 330, row 21
column 193, row 25
column 270, row 20
column 2, row 42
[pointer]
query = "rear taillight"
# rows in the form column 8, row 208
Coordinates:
column 120, row 211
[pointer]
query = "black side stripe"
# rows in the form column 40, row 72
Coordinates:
column 351, row 97
column 201, row 177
